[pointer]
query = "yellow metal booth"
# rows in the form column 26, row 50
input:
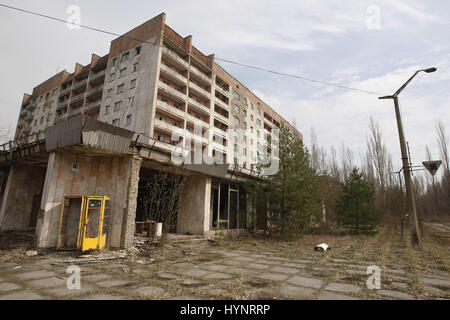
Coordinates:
column 83, row 223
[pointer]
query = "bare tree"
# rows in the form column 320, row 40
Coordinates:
column 443, row 142
column 347, row 160
column 318, row 155
column 6, row 134
column 159, row 199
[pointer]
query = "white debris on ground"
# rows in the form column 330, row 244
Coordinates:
column 322, row 247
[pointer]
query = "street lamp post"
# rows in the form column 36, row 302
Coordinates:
column 411, row 209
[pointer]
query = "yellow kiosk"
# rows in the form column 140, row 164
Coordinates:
column 84, row 223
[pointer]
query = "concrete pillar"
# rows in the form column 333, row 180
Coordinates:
column 24, row 183
column 114, row 177
column 129, row 217
column 5, row 196
column 194, row 206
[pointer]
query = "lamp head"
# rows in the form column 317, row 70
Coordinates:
column 429, row 70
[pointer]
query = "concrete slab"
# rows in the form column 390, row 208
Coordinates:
column 303, row 261
column 192, row 283
column 284, row 270
column 293, row 292
column 218, row 276
column 401, row 285
column 243, row 259
column 183, row 265
column 294, row 265
column 35, row 275
column 436, row 282
column 272, row 276
column 343, row 287
column 48, row 283
column 21, row 295
column 334, row 296
column 96, row 277
column 149, row 291
column 256, row 266
column 278, row 259
column 233, row 263
column 306, row 282
column 257, row 255
column 216, row 267
column 8, row 286
column 437, row 291
column 269, row 262
column 64, row 292
column 168, row 276
column 184, row 298
column 229, row 254
column 196, row 273
column 113, row 283
column 395, row 294
column 104, row 297
column 240, row 271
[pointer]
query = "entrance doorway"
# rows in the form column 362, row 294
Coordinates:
column 229, row 206
column 84, row 223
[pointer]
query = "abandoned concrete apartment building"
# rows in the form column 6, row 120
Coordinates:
column 105, row 128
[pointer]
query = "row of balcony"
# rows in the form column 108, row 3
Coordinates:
column 168, row 89
column 200, row 74
column 221, row 104
column 174, row 56
column 223, row 91
column 200, row 90
column 173, row 73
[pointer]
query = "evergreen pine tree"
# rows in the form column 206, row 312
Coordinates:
column 356, row 205
column 294, row 193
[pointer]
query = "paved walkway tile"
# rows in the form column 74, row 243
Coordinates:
column 279, row 259
column 334, row 296
column 244, row 259
column 436, row 282
column 48, row 283
column 256, row 255
column 35, row 275
column 198, row 273
column 294, row 265
column 183, row 265
column 395, row 294
column 272, row 276
column 270, row 262
column 401, row 285
column 113, row 283
column 257, row 266
column 240, row 271
column 218, row 276
column 233, row 263
column 216, row 267
column 284, row 270
column 8, row 286
column 342, row 287
column 95, row 277
column 21, row 295
column 306, row 282
column 149, row 291
column 192, row 283
column 66, row 293
column 168, row 276
column 184, row 298
column 293, row 292
column 104, row 297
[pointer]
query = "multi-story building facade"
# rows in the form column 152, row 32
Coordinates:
column 156, row 84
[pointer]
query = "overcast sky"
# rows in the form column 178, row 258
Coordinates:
column 371, row 45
